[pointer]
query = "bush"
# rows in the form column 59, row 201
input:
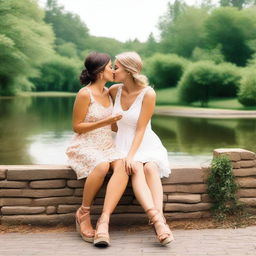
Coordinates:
column 165, row 71
column 247, row 92
column 59, row 74
column 204, row 80
column 214, row 55
column 221, row 186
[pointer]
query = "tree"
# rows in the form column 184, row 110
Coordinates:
column 228, row 27
column 150, row 46
column 67, row 26
column 185, row 32
column 25, row 43
column 237, row 3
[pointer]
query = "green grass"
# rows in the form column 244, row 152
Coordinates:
column 169, row 97
column 165, row 97
column 48, row 94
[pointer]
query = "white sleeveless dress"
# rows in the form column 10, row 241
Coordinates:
column 151, row 148
column 87, row 150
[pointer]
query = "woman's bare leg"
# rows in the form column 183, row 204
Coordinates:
column 94, row 182
column 140, row 187
column 154, row 184
column 92, row 185
column 115, row 188
column 144, row 195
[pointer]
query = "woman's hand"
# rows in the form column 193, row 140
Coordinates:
column 128, row 161
column 113, row 119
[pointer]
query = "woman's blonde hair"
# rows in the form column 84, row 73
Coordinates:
column 132, row 63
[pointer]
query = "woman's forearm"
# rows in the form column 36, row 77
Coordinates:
column 87, row 127
column 139, row 134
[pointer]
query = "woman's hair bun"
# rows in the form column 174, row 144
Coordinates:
column 85, row 77
column 94, row 63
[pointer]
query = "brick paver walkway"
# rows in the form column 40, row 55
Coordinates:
column 204, row 242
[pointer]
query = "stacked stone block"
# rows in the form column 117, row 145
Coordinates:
column 244, row 170
column 50, row 194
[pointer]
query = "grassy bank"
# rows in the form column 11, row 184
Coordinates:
column 169, row 97
column 165, row 97
column 47, row 94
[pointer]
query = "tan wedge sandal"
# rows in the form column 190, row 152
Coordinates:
column 82, row 215
column 162, row 230
column 101, row 238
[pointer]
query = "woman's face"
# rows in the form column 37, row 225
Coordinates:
column 108, row 72
column 120, row 74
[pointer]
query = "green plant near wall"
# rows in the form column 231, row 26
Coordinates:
column 222, row 187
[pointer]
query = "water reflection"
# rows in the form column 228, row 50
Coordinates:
column 37, row 130
column 201, row 135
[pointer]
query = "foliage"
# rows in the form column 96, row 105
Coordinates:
column 67, row 26
column 59, row 74
column 228, row 27
column 247, row 92
column 67, row 49
column 214, row 55
column 184, row 33
column 222, row 187
column 204, row 80
column 150, row 47
column 104, row 44
column 237, row 3
column 25, row 43
column 165, row 70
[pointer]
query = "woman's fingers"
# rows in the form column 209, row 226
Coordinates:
column 128, row 167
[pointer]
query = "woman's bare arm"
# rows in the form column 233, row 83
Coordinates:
column 113, row 91
column 79, row 112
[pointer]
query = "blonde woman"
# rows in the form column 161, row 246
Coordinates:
column 92, row 151
column 146, row 158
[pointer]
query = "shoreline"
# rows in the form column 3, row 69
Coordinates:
column 204, row 112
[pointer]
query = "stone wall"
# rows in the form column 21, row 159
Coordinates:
column 50, row 194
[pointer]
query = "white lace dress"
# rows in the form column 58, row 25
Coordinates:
column 89, row 149
column 151, row 148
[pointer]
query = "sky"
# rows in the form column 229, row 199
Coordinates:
column 120, row 19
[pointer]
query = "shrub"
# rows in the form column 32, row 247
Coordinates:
column 59, row 74
column 165, row 71
column 247, row 92
column 214, row 55
column 204, row 80
column 221, row 186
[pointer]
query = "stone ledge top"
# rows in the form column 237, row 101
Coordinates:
column 35, row 167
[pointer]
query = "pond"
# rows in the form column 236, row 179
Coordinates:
column 37, row 130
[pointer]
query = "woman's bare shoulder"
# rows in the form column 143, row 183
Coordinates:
column 83, row 94
column 150, row 93
column 113, row 89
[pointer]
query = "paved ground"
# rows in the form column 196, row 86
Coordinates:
column 202, row 242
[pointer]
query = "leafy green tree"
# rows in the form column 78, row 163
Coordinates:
column 104, row 44
column 228, row 27
column 59, row 74
column 135, row 45
column 184, row 33
column 214, row 55
column 247, row 90
column 237, row 3
column 67, row 26
column 67, row 49
column 165, row 70
column 25, row 43
column 151, row 46
column 204, row 80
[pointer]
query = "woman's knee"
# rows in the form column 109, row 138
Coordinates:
column 150, row 168
column 102, row 169
column 137, row 168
